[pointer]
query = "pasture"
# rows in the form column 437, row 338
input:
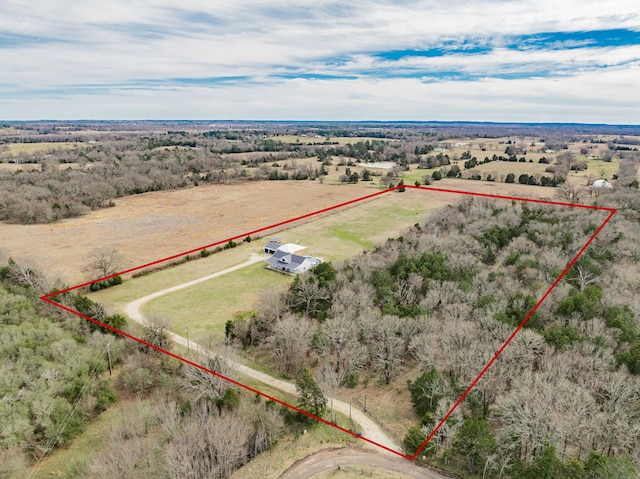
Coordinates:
column 204, row 308
column 150, row 226
column 32, row 148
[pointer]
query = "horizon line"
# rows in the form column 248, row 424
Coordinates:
column 380, row 122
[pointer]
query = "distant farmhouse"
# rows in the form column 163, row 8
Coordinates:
column 601, row 183
column 284, row 259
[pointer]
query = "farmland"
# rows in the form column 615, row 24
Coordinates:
column 209, row 192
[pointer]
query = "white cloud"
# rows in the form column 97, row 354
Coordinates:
column 105, row 46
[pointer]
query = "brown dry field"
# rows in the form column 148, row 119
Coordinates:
column 151, row 226
column 147, row 227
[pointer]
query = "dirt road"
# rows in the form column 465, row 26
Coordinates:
column 330, row 459
column 370, row 430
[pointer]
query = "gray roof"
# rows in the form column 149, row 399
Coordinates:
column 272, row 245
column 288, row 260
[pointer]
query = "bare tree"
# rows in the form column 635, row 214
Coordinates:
column 388, row 348
column 570, row 192
column 290, row 342
column 27, row 272
column 330, row 381
column 268, row 424
column 208, row 444
column 307, row 293
column 156, row 333
column 584, row 277
column 202, row 386
column 103, row 262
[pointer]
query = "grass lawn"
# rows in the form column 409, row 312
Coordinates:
column 204, row 308
column 416, row 174
column 597, row 168
column 37, row 147
column 135, row 288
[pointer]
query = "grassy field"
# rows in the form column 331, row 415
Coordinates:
column 205, row 307
column 597, row 168
column 156, row 281
column 146, row 227
column 28, row 148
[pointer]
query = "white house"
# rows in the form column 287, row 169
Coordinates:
column 284, row 259
column 601, row 183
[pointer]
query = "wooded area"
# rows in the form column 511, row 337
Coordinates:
column 562, row 400
column 78, row 168
column 55, row 380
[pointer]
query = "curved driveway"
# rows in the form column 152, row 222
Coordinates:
column 370, row 430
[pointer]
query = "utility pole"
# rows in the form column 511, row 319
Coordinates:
column 365, row 402
column 109, row 357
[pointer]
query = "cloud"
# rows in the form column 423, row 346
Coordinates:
column 256, row 56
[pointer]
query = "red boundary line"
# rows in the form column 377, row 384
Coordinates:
column 612, row 211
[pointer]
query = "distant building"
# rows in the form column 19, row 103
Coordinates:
column 601, row 183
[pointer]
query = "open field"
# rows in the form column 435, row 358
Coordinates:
column 204, row 308
column 146, row 227
column 321, row 139
column 336, row 237
column 506, row 167
column 28, row 148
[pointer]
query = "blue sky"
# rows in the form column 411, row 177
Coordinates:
column 480, row 60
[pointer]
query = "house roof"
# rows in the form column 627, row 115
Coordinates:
column 283, row 258
column 601, row 183
column 273, row 245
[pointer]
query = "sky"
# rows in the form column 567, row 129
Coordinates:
column 446, row 60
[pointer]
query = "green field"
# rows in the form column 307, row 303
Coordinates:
column 204, row 308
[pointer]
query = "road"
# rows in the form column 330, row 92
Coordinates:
column 330, row 459
column 370, row 429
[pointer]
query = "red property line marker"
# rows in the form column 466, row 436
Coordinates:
column 612, row 211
